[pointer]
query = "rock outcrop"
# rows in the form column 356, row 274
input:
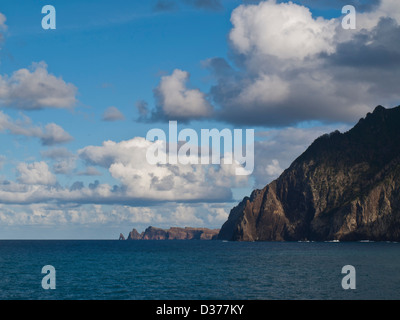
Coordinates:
column 174, row 233
column 134, row 235
column 345, row 186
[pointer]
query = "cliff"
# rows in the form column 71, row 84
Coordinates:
column 345, row 186
column 174, row 233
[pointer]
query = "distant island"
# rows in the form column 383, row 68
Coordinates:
column 173, row 233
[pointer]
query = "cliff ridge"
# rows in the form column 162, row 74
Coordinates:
column 345, row 186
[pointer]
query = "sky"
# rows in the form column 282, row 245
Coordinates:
column 77, row 101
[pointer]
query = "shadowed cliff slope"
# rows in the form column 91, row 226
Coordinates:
column 345, row 186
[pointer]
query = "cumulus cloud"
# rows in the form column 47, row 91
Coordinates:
column 186, row 216
column 113, row 114
column 274, row 168
column 284, row 30
column 265, row 89
column 178, row 102
column 374, row 49
column 290, row 66
column 3, row 19
column 36, row 173
column 58, row 153
column 54, row 134
column 89, row 171
column 50, row 135
column 217, row 215
column 35, row 88
column 384, row 9
column 138, row 182
column 30, row 190
column 127, row 163
column 64, row 161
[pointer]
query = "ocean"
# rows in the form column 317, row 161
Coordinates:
column 198, row 270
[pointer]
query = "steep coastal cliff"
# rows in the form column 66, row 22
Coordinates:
column 345, row 186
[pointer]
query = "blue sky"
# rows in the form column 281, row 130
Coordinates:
column 277, row 67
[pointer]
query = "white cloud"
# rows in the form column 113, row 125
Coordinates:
column 3, row 19
column 185, row 216
column 47, row 215
column 64, row 166
column 126, row 161
column 265, row 89
column 54, row 134
column 64, row 160
column 58, row 153
column 138, row 182
column 386, row 8
column 284, row 30
column 120, row 217
column 226, row 175
column 177, row 101
column 89, row 171
column 32, row 188
column 51, row 134
column 113, row 114
column 294, row 67
column 36, row 89
column 274, row 169
column 19, row 127
column 36, row 173
column 217, row 215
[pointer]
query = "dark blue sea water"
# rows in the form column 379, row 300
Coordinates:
column 198, row 270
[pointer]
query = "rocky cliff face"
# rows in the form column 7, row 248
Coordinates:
column 174, row 233
column 345, row 186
